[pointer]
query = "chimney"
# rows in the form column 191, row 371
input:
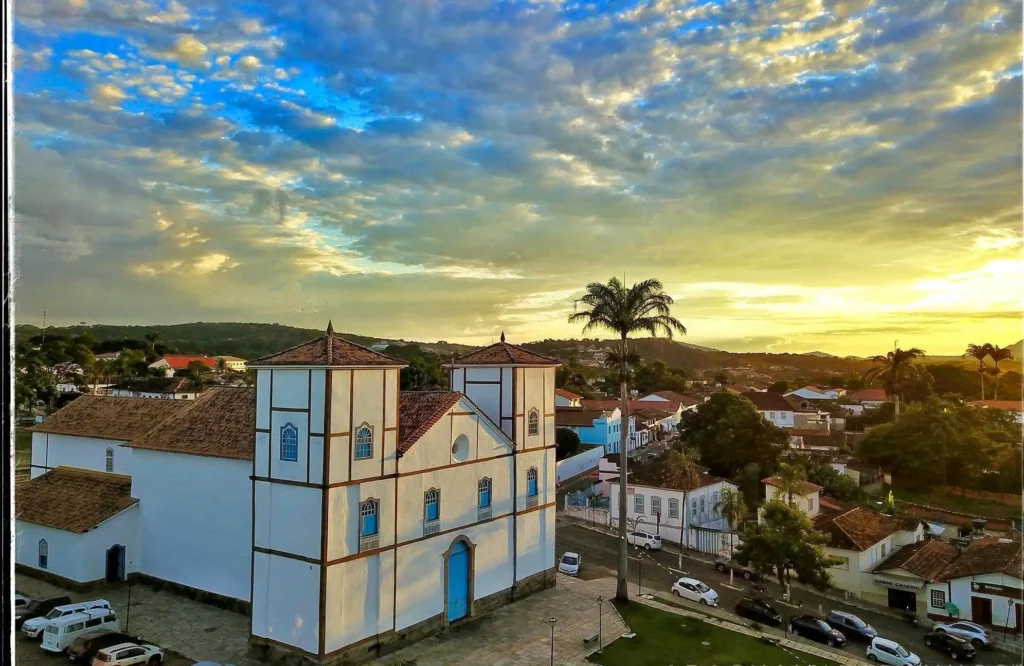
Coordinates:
column 979, row 526
column 962, row 544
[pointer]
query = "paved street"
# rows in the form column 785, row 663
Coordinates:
column 599, row 558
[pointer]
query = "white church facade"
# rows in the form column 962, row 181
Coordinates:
column 351, row 518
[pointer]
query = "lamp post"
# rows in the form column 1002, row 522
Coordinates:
column 600, row 618
column 552, row 622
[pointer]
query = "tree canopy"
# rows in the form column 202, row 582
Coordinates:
column 568, row 443
column 785, row 540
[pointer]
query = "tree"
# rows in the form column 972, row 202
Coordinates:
column 198, row 374
column 894, row 370
column 980, row 352
column 721, row 378
column 683, row 471
column 781, row 387
column 790, row 480
column 998, row 354
column 571, row 375
column 644, row 307
column 733, row 508
column 785, row 540
column 836, row 484
column 568, row 443
column 730, row 434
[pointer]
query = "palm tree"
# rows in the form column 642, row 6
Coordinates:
column 790, row 480
column 733, row 508
column 980, row 352
column 998, row 354
column 683, row 471
column 198, row 375
column 644, row 307
column 894, row 370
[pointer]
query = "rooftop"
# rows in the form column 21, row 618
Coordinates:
column 328, row 350
column 924, row 559
column 110, row 418
column 768, row 402
column 658, row 474
column 1011, row 405
column 219, row 424
column 155, row 385
column 72, row 499
column 987, row 558
column 567, row 394
column 857, row 529
column 808, row 487
column 503, row 353
column 578, row 416
column 180, row 362
column 868, row 395
column 418, row 411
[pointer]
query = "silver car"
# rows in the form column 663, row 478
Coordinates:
column 975, row 633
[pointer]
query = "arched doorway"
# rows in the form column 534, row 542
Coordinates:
column 115, row 563
column 458, row 597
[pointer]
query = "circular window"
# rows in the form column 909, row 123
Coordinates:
column 460, row 448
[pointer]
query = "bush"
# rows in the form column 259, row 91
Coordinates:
column 568, row 443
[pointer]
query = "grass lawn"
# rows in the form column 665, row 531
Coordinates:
column 957, row 503
column 22, row 449
column 663, row 638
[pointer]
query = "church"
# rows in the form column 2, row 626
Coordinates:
column 346, row 517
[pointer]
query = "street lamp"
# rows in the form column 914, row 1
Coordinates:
column 552, row 622
column 600, row 618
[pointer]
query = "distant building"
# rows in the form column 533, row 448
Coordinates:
column 773, row 407
column 232, row 363
column 564, row 398
column 167, row 388
column 871, row 398
column 171, row 364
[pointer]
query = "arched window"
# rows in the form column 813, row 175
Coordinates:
column 483, row 493
column 110, row 460
column 44, row 553
column 714, row 504
column 289, row 442
column 431, row 504
column 533, row 427
column 673, row 508
column 368, row 518
column 364, row 443
column 531, row 482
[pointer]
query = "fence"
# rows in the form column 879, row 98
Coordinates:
column 590, row 514
column 578, row 464
column 713, row 542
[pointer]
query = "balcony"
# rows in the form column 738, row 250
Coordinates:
column 431, row 527
column 531, row 501
column 371, row 542
column 483, row 513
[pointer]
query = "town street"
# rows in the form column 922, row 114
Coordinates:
column 599, row 555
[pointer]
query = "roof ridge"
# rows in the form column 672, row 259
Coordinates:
column 81, row 471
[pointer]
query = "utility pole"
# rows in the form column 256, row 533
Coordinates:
column 43, row 340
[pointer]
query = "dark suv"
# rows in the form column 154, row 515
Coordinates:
column 851, row 626
column 38, row 608
column 816, row 629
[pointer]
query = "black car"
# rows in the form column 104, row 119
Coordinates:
column 851, row 626
column 816, row 629
column 38, row 608
column 759, row 611
column 84, row 648
column 956, row 647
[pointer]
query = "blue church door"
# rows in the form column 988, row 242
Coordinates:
column 458, row 582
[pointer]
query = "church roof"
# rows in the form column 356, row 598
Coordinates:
column 418, row 411
column 503, row 353
column 107, row 417
column 328, row 350
column 72, row 499
column 218, row 424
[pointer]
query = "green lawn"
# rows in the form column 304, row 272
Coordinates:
column 663, row 638
column 957, row 503
column 22, row 449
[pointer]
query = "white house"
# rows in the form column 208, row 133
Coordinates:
column 564, row 398
column 809, row 501
column 984, row 584
column 171, row 363
column 165, row 388
column 686, row 402
column 679, row 514
column 871, row 398
column 232, row 363
column 773, row 407
column 816, row 393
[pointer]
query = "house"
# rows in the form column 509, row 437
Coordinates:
column 807, row 415
column 870, row 398
column 809, row 501
column 816, row 393
column 737, row 389
column 600, row 427
column 901, row 580
column 564, row 398
column 813, row 440
column 1015, row 407
column 669, row 398
column 108, row 356
column 167, row 388
column 679, row 513
column 671, row 412
column 351, row 518
column 984, row 584
column 171, row 364
column 772, row 406
column 231, row 362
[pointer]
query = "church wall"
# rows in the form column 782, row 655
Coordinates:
column 50, row 451
column 288, row 518
column 286, row 604
column 367, row 410
column 291, row 470
column 535, row 542
column 360, row 599
column 195, row 520
column 79, row 557
column 343, row 516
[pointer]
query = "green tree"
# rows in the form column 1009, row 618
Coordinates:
column 733, row 508
column 571, row 375
column 998, row 354
column 198, row 374
column 642, row 308
column 568, row 443
column 980, row 352
column 785, row 540
column 781, row 387
column 836, row 484
column 894, row 370
column 683, row 471
column 730, row 433
column 790, row 480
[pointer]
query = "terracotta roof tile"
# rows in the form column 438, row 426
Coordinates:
column 110, row 418
column 987, row 558
column 219, row 424
column 1011, row 405
column 329, row 350
column 807, row 485
column 924, row 559
column 567, row 394
column 634, row 405
column 418, row 411
column 503, row 353
column 72, row 499
column 856, row 529
column 656, row 474
column 868, row 394
column 179, row 362
column 577, row 416
column 768, row 401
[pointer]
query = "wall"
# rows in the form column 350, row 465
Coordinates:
column 781, row 419
column 195, row 520
column 286, row 601
column 49, row 451
column 804, row 502
column 960, row 593
column 579, row 463
column 670, row 528
column 79, row 557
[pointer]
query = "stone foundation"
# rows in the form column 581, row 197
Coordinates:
column 218, row 600
column 62, row 582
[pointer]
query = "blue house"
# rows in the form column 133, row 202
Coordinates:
column 600, row 427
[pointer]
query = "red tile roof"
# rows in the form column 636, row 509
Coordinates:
column 72, row 499
column 567, row 394
column 868, row 395
column 110, row 418
column 577, row 416
column 182, row 362
column 766, row 402
column 987, row 558
column 1011, row 405
column 331, row 351
column 657, row 474
column 924, row 559
column 218, row 424
column 156, row 385
column 807, row 485
column 503, row 353
column 634, row 405
column 418, row 411
column 856, row 529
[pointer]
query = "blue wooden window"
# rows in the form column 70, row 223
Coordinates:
column 368, row 518
column 289, row 442
column 364, row 443
column 483, row 493
column 531, row 482
column 534, row 422
column 44, row 553
column 431, row 504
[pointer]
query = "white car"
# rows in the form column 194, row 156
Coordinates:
column 570, row 564
column 975, row 633
column 885, row 651
column 694, row 590
column 646, row 539
column 34, row 628
column 128, row 654
column 20, row 600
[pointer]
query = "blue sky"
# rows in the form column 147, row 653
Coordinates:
column 801, row 174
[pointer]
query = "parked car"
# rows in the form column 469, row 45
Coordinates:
column 85, row 647
column 890, row 652
column 975, row 633
column 33, row 628
column 759, row 611
column 570, row 564
column 956, row 647
column 646, row 539
column 20, row 600
column 60, row 633
column 694, row 590
column 816, row 629
column 38, row 608
column 724, row 565
column 851, row 626
column 128, row 654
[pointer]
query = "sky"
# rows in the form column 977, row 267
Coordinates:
column 801, row 175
